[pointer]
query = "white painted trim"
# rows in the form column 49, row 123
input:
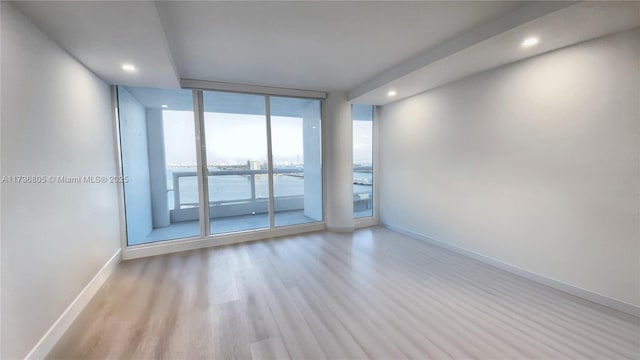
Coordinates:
column 250, row 89
column 272, row 197
column 364, row 222
column 340, row 229
column 541, row 279
column 201, row 159
column 171, row 246
column 55, row 332
column 122, row 212
column 376, row 162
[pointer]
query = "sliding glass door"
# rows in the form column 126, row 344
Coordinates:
column 297, row 166
column 239, row 162
column 159, row 162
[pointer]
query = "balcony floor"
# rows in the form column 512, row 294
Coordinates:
column 223, row 225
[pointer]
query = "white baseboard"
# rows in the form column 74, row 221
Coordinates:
column 55, row 332
column 172, row 246
column 360, row 223
column 341, row 229
column 570, row 289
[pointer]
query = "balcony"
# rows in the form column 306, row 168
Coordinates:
column 238, row 201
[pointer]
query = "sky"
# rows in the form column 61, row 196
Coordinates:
column 236, row 138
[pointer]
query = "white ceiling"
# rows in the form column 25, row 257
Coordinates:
column 361, row 47
column 482, row 50
column 104, row 34
column 310, row 45
column 304, row 45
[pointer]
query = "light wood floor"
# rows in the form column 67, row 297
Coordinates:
column 371, row 294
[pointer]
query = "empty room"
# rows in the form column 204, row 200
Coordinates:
column 320, row 180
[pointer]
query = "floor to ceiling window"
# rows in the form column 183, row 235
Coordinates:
column 237, row 161
column 297, row 165
column 362, row 116
column 158, row 147
column 259, row 165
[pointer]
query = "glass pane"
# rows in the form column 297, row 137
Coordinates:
column 362, row 160
column 236, row 138
column 297, row 165
column 157, row 139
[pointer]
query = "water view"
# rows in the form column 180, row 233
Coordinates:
column 238, row 187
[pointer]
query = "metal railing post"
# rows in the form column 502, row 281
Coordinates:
column 176, row 191
column 253, row 187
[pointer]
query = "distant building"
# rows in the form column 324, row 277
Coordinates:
column 253, row 164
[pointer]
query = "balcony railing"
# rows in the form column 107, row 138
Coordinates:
column 252, row 204
column 363, row 200
column 213, row 173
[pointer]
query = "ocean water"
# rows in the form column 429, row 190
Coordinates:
column 238, row 187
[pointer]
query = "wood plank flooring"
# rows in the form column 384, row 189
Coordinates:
column 370, row 294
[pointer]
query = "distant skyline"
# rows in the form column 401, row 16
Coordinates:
column 237, row 138
column 362, row 142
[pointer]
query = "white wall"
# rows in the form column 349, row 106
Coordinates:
column 535, row 164
column 337, row 134
column 135, row 165
column 311, row 128
column 56, row 120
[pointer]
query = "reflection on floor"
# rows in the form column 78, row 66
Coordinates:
column 223, row 225
column 372, row 294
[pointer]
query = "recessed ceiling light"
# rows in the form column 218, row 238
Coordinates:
column 164, row 106
column 530, row 41
column 392, row 93
column 129, row 68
